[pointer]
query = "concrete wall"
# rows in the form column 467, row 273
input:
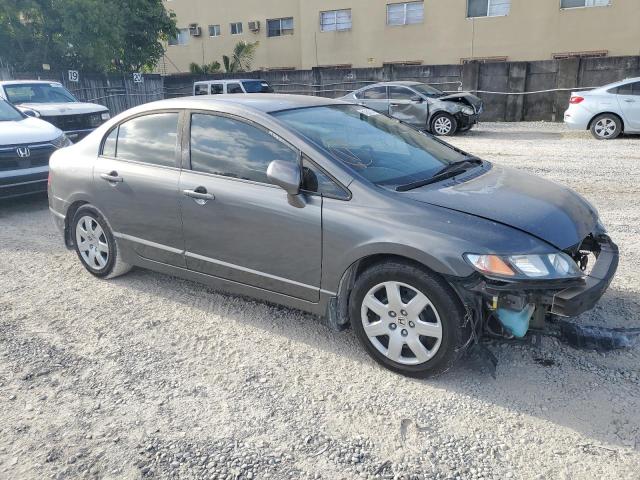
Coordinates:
column 533, row 30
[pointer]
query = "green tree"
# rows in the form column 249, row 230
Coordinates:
column 207, row 68
column 242, row 57
column 92, row 35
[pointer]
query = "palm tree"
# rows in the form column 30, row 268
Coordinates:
column 242, row 57
column 207, row 68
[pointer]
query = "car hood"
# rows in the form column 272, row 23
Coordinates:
column 29, row 130
column 64, row 108
column 464, row 97
column 542, row 208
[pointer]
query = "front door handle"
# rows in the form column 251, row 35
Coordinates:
column 112, row 177
column 394, row 104
column 629, row 100
column 200, row 194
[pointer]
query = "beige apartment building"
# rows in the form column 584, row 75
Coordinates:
column 301, row 34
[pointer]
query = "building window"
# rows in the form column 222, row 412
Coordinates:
column 236, row 28
column 405, row 13
column 488, row 8
column 335, row 20
column 584, row 3
column 280, row 26
column 214, row 30
column 589, row 54
column 181, row 39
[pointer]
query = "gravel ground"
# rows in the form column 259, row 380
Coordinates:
column 148, row 376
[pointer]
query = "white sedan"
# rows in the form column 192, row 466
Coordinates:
column 607, row 111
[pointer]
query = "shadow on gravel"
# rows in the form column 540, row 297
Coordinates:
column 23, row 205
column 529, row 377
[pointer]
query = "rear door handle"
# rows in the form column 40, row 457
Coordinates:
column 112, row 177
column 199, row 193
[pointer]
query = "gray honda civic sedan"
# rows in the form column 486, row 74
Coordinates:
column 337, row 210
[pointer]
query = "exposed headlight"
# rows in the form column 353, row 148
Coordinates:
column 548, row 266
column 105, row 116
column 468, row 110
column 62, row 141
column 95, row 120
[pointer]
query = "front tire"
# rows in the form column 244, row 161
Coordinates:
column 95, row 244
column 444, row 124
column 407, row 318
column 606, row 126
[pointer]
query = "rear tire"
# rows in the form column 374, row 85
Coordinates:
column 606, row 126
column 95, row 244
column 444, row 124
column 399, row 334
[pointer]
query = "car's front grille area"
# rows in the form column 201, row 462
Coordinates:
column 38, row 156
column 68, row 123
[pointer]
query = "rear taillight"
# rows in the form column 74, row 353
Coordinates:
column 576, row 99
column 49, row 179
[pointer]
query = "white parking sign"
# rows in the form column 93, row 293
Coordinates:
column 138, row 78
column 74, row 76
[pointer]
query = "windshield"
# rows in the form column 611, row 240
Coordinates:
column 380, row 148
column 8, row 113
column 257, row 86
column 428, row 90
column 38, row 93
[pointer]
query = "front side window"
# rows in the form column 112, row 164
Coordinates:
column 280, row 26
column 405, row 13
column 38, row 93
column 401, row 93
column 335, row 20
column 488, row 8
column 234, row 88
column 109, row 146
column 584, row 3
column 201, row 89
column 231, row 148
column 214, row 30
column 149, row 139
column 181, row 39
column 236, row 28
column 257, row 86
column 379, row 148
column 315, row 180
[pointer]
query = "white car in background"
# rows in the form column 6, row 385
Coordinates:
column 25, row 147
column 52, row 102
column 607, row 111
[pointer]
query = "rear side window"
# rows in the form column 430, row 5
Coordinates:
column 149, row 139
column 629, row 89
column 217, row 89
column 376, row 93
column 228, row 147
column 234, row 88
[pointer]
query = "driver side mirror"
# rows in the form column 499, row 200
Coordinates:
column 287, row 176
column 417, row 99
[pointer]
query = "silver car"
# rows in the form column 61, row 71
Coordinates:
column 421, row 105
column 334, row 209
column 607, row 111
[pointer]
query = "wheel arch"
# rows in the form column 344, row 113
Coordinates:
column 357, row 267
column 606, row 113
column 68, row 218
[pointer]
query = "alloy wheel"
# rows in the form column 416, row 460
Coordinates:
column 92, row 243
column 442, row 125
column 401, row 323
column 605, row 127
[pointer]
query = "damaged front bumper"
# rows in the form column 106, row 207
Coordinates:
column 517, row 305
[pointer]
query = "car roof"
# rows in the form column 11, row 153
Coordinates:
column 18, row 82
column 262, row 102
column 403, row 83
column 228, row 80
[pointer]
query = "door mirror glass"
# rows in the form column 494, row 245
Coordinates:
column 416, row 99
column 286, row 175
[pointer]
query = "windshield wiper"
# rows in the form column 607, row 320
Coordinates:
column 451, row 170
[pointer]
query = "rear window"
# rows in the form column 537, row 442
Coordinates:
column 257, row 86
column 38, row 93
